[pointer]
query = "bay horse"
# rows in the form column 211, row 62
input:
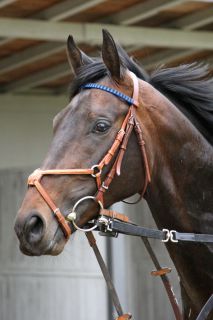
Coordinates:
column 175, row 113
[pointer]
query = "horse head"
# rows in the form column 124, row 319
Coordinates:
column 83, row 133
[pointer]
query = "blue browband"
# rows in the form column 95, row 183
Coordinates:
column 116, row 93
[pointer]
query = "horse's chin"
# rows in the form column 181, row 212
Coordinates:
column 53, row 250
column 52, row 247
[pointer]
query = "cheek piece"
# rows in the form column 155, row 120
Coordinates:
column 130, row 122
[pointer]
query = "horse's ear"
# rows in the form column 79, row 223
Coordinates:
column 76, row 57
column 110, row 56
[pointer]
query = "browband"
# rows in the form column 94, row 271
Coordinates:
column 115, row 92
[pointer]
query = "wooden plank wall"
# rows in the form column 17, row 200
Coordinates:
column 69, row 286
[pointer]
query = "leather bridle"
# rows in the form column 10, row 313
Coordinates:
column 111, row 222
column 119, row 145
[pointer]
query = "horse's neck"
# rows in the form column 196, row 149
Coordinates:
column 182, row 165
column 182, row 184
column 180, row 198
column 180, row 194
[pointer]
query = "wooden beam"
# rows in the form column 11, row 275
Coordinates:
column 4, row 3
column 39, row 78
column 91, row 33
column 194, row 20
column 65, row 9
column 143, row 11
column 165, row 57
column 58, row 11
column 189, row 22
column 30, row 55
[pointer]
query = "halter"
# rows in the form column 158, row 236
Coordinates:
column 130, row 122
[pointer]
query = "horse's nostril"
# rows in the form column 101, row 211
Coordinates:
column 34, row 228
column 36, row 225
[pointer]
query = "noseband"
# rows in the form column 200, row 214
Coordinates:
column 119, row 145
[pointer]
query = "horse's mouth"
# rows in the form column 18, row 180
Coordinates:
column 27, row 252
column 51, row 247
column 53, row 239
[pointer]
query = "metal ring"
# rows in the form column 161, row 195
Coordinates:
column 167, row 235
column 173, row 236
column 72, row 215
column 95, row 167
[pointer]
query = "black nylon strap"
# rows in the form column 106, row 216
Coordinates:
column 195, row 237
column 164, row 235
column 135, row 230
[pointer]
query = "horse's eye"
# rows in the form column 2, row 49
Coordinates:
column 101, row 127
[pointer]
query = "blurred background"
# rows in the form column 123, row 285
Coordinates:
column 34, row 77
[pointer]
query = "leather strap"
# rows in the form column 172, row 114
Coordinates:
column 57, row 213
column 126, row 316
column 123, row 146
column 114, row 215
column 92, row 241
column 162, row 272
column 129, row 123
column 116, row 144
column 39, row 173
column 135, row 95
column 141, row 143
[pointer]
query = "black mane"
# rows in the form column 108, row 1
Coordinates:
column 188, row 86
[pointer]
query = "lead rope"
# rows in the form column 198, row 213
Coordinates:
column 167, row 285
column 160, row 272
column 92, row 241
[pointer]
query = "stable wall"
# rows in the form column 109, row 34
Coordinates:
column 26, row 128
column 69, row 286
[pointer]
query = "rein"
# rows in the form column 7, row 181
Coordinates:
column 112, row 223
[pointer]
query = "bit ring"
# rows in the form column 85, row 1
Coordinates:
column 72, row 215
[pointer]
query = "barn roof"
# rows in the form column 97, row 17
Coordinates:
column 33, row 36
